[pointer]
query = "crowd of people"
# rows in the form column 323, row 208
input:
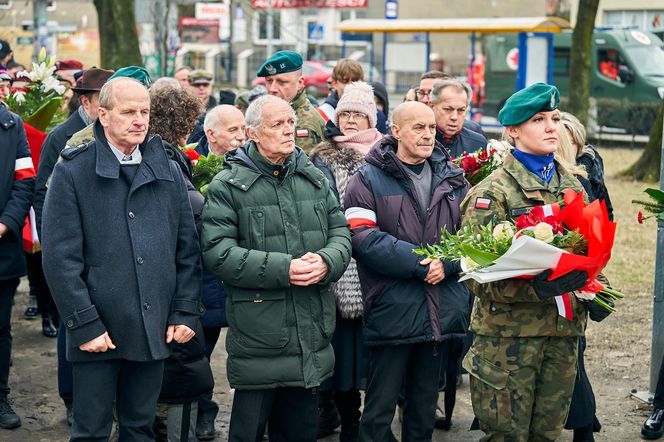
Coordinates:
column 302, row 247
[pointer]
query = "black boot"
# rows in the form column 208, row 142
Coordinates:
column 348, row 403
column 328, row 417
column 653, row 428
column 8, row 417
column 48, row 328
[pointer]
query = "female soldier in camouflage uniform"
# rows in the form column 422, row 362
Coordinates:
column 523, row 360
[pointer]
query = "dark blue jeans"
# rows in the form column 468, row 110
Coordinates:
column 7, row 291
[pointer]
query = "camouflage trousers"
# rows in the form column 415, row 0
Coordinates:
column 521, row 388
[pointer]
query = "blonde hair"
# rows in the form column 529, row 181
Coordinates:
column 576, row 131
column 566, row 155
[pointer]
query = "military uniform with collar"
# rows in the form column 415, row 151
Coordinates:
column 523, row 361
column 309, row 125
column 512, row 325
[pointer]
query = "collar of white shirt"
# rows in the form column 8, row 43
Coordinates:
column 134, row 158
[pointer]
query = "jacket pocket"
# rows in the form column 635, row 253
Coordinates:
column 321, row 214
column 491, row 397
column 328, row 311
column 257, row 229
column 259, row 318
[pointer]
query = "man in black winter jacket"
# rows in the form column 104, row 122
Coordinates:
column 403, row 197
column 17, row 180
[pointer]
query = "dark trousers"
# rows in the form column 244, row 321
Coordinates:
column 207, row 407
column 38, row 286
column 7, row 291
column 134, row 386
column 658, row 401
column 290, row 413
column 418, row 366
column 65, row 375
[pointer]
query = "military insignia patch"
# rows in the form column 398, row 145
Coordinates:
column 482, row 203
column 552, row 104
column 301, row 132
column 270, row 69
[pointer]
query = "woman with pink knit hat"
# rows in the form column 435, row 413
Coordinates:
column 338, row 158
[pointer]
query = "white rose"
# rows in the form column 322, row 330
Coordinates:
column 543, row 232
column 503, row 231
column 468, row 264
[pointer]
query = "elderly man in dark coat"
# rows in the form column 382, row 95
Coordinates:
column 17, row 180
column 88, row 88
column 121, row 258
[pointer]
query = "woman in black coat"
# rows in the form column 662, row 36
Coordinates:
column 187, row 374
column 589, row 170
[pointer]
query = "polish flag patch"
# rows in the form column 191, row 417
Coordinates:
column 360, row 217
column 301, row 132
column 482, row 203
column 23, row 169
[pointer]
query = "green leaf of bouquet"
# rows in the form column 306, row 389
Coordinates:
column 482, row 258
column 41, row 118
column 655, row 194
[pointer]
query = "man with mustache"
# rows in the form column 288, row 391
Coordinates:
column 224, row 129
column 403, row 197
column 121, row 258
column 450, row 101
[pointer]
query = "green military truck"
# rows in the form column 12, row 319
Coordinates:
column 627, row 78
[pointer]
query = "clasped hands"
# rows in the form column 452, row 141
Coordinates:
column 310, row 269
column 436, row 271
column 178, row 333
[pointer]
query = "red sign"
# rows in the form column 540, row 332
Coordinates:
column 317, row 4
column 197, row 30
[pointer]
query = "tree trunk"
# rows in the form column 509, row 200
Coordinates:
column 581, row 59
column 117, row 34
column 647, row 166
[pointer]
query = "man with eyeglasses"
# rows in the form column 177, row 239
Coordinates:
column 450, row 101
column 423, row 95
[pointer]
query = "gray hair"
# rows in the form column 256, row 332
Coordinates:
column 211, row 118
column 165, row 83
column 253, row 118
column 460, row 86
column 106, row 93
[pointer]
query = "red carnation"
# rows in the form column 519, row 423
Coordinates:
column 639, row 217
column 192, row 154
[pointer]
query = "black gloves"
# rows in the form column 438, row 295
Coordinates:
column 597, row 313
column 559, row 286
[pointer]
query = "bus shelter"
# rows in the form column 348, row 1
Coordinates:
column 535, row 61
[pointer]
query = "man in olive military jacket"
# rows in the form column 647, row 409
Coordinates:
column 283, row 78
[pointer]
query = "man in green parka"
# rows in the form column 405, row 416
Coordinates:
column 274, row 234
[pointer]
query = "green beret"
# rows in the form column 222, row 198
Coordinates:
column 199, row 76
column 136, row 72
column 522, row 105
column 242, row 99
column 280, row 62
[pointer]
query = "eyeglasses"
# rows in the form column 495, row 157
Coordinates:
column 346, row 115
column 421, row 93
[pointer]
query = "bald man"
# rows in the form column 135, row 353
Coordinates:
column 412, row 304
column 224, row 129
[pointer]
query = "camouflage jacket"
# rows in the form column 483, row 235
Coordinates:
column 511, row 308
column 309, row 127
column 84, row 135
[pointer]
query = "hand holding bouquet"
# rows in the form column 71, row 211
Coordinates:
column 578, row 237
